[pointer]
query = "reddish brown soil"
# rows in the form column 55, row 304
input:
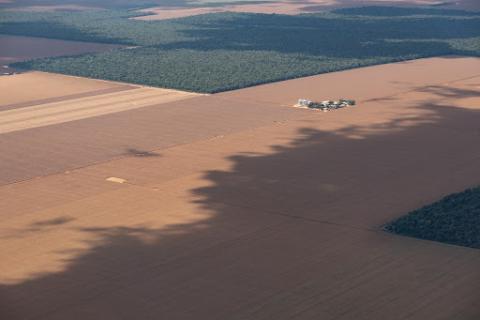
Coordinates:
column 33, row 88
column 65, row 98
column 112, row 98
column 235, row 206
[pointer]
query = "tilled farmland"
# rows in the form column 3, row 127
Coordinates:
column 238, row 206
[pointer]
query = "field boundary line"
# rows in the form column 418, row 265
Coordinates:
column 65, row 98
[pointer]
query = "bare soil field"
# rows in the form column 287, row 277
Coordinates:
column 298, row 7
column 34, row 88
column 233, row 206
column 363, row 84
column 83, row 102
column 19, row 48
column 85, row 106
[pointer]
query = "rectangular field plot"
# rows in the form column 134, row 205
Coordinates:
column 51, row 99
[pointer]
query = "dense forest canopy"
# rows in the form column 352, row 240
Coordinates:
column 223, row 51
column 455, row 219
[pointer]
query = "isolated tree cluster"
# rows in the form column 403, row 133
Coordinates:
column 455, row 219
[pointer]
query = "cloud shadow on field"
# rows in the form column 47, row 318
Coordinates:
column 450, row 92
column 141, row 153
column 222, row 266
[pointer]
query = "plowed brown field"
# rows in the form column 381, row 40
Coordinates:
column 237, row 206
column 34, row 88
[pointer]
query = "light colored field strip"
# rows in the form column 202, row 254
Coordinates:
column 75, row 105
column 59, row 112
column 66, row 97
column 91, row 100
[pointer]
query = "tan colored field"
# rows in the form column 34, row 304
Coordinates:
column 87, row 98
column 364, row 84
column 233, row 206
column 297, row 7
column 32, row 88
column 19, row 48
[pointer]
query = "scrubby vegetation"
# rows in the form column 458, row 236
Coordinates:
column 455, row 219
column 216, row 52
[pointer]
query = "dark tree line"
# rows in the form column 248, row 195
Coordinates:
column 455, row 219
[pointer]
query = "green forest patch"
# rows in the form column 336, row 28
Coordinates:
column 455, row 220
column 224, row 51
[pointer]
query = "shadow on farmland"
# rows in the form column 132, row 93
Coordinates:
column 52, row 222
column 37, row 226
column 141, row 153
column 343, row 35
column 450, row 92
column 252, row 246
column 441, row 91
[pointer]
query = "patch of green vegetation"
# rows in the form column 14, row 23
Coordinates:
column 190, row 70
column 217, row 52
column 455, row 219
column 104, row 26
